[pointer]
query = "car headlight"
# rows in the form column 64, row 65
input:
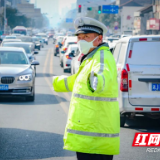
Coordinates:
column 27, row 77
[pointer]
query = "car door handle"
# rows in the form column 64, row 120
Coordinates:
column 149, row 79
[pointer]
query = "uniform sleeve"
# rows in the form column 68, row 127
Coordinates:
column 64, row 83
column 103, row 66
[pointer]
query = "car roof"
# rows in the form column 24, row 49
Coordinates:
column 11, row 49
column 73, row 45
column 127, row 39
column 11, row 36
column 24, row 43
column 5, row 40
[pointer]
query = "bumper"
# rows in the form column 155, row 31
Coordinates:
column 17, row 92
column 18, row 89
column 126, row 107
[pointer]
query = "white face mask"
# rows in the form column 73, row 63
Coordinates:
column 85, row 46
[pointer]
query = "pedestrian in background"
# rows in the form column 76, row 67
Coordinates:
column 93, row 125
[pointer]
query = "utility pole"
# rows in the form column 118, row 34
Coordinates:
column 4, row 16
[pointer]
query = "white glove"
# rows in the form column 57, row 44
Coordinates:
column 93, row 81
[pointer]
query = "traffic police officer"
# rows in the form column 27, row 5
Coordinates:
column 93, row 123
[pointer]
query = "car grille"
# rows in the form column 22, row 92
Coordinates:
column 7, row 80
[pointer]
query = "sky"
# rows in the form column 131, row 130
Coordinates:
column 48, row 6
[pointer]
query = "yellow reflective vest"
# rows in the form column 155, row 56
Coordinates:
column 93, row 124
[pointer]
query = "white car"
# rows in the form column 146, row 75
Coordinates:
column 75, row 63
column 111, row 41
column 138, row 66
column 68, row 41
column 10, row 40
column 67, row 58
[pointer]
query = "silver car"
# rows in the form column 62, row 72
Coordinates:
column 17, row 75
column 27, row 46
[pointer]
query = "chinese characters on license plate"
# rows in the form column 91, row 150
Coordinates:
column 3, row 87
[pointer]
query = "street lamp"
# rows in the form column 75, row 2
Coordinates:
column 4, row 16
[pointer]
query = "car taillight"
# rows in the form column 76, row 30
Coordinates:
column 57, row 46
column 68, row 57
column 124, row 81
column 65, row 49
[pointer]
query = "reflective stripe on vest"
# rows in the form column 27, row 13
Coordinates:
column 93, row 134
column 102, row 67
column 95, row 98
column 66, row 84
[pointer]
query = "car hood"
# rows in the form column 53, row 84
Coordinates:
column 12, row 69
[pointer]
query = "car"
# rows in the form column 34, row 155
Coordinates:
column 67, row 58
column 138, row 70
column 41, row 41
column 58, row 45
column 111, row 41
column 17, row 74
column 37, row 43
column 27, row 47
column 10, row 40
column 68, row 41
column 56, row 36
column 10, row 37
column 44, row 37
column 75, row 63
column 27, row 39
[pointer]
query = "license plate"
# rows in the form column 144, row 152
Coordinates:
column 3, row 87
column 155, row 87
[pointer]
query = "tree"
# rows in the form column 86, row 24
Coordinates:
column 16, row 20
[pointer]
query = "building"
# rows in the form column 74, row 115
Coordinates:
column 148, row 19
column 140, row 2
column 28, row 10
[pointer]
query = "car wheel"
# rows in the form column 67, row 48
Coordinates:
column 122, row 120
column 55, row 54
column 39, row 48
column 31, row 98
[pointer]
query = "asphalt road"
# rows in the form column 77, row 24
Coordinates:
column 35, row 130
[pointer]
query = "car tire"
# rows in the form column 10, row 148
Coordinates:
column 31, row 98
column 39, row 48
column 55, row 54
column 122, row 120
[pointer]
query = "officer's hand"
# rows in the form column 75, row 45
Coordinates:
column 93, row 81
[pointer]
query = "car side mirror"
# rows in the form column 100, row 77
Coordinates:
column 35, row 63
column 36, row 52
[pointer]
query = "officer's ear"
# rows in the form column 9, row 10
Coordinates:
column 100, row 38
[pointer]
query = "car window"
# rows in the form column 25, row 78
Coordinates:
column 12, row 57
column 121, row 56
column 27, row 48
column 25, row 39
column 77, row 52
column 116, row 51
column 145, row 53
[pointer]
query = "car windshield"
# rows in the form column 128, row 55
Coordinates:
column 60, row 39
column 27, row 48
column 12, row 57
column 10, row 37
column 44, row 36
column 111, row 40
column 25, row 39
column 35, row 39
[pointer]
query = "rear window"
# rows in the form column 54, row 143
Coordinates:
column 145, row 53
